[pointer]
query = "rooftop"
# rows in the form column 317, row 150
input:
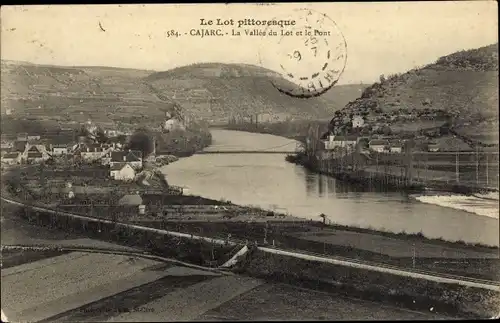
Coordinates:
column 119, row 166
column 34, row 155
column 345, row 138
column 130, row 156
column 20, row 145
column 11, row 155
column 378, row 142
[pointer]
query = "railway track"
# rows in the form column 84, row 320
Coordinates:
column 394, row 268
column 350, row 262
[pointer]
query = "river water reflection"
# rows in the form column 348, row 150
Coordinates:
column 268, row 181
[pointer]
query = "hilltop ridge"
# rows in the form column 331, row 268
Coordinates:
column 460, row 89
column 209, row 91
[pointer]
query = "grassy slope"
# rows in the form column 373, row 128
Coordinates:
column 464, row 84
column 106, row 93
column 218, row 91
column 76, row 93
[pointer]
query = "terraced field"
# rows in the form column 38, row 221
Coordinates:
column 80, row 287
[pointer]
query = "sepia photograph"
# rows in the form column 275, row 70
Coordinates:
column 250, row 162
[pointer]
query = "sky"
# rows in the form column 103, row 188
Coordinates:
column 382, row 38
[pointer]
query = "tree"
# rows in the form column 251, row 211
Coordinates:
column 142, row 140
column 100, row 136
column 386, row 130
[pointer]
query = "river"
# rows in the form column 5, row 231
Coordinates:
column 268, row 181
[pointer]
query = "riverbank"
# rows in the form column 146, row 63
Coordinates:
column 391, row 177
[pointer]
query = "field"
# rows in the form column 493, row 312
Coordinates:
column 162, row 285
column 351, row 242
column 286, row 302
column 122, row 288
column 152, row 292
column 413, row 293
column 212, row 92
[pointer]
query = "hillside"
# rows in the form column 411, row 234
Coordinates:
column 107, row 94
column 461, row 89
column 76, row 93
column 222, row 91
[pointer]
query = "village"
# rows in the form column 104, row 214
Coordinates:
column 367, row 138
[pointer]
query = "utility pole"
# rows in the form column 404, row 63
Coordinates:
column 487, row 170
column 413, row 256
column 457, row 167
column 265, row 233
column 477, row 164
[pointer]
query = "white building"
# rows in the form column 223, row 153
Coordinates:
column 33, row 137
column 333, row 141
column 378, row 145
column 172, row 124
column 357, row 121
column 132, row 157
column 122, row 172
column 11, row 158
column 35, row 153
column 433, row 147
column 396, row 148
column 60, row 149
column 111, row 133
column 90, row 152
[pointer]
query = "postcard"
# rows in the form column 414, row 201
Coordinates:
column 258, row 161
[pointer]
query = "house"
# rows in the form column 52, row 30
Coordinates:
column 33, row 137
column 432, row 146
column 379, row 145
column 38, row 146
column 4, row 151
column 122, row 171
column 333, row 141
column 396, row 147
column 34, row 157
column 172, row 124
column 357, row 121
column 7, row 144
column 111, row 133
column 60, row 149
column 133, row 157
column 90, row 152
column 23, row 136
column 11, row 158
column 35, row 154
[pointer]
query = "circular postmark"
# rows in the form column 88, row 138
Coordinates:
column 311, row 55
